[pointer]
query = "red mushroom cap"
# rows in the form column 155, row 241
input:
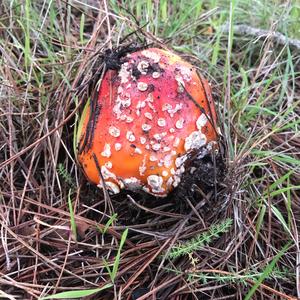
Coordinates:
column 150, row 115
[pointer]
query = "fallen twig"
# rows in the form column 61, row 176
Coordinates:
column 262, row 33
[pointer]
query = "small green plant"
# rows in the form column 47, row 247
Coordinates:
column 222, row 278
column 63, row 172
column 244, row 276
column 113, row 272
column 228, row 277
column 200, row 240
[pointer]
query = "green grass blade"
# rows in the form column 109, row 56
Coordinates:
column 117, row 259
column 72, row 216
column 77, row 294
column 265, row 273
column 81, row 28
column 112, row 219
column 260, row 219
column 107, row 267
column 27, row 53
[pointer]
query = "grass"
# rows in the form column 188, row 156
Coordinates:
column 113, row 272
column 77, row 294
column 49, row 51
column 268, row 269
column 201, row 240
column 72, row 217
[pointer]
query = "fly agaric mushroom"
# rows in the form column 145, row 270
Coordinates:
column 150, row 116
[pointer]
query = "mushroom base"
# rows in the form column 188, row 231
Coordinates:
column 204, row 175
column 204, row 171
